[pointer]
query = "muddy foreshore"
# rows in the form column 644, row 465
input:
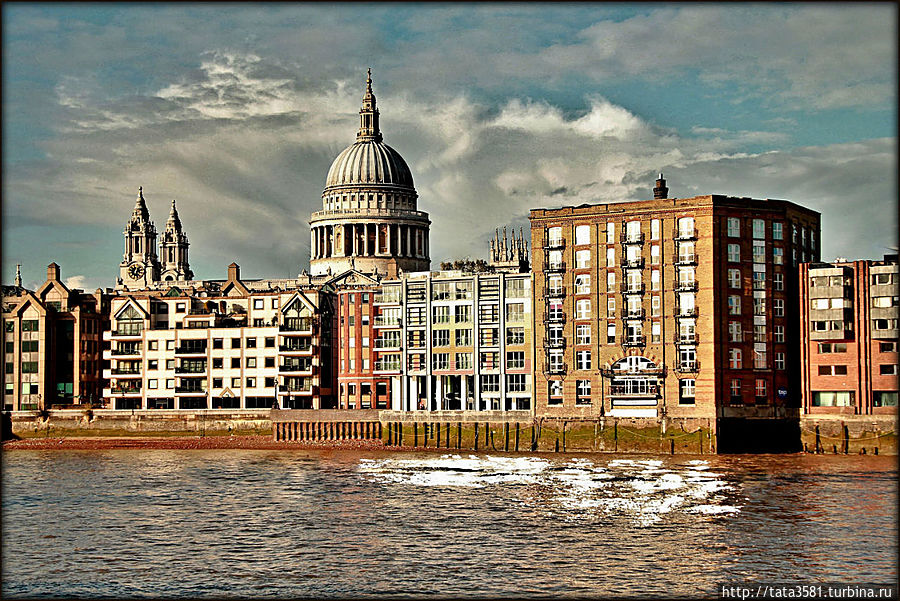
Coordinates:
column 183, row 442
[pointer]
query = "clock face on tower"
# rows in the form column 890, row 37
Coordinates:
column 136, row 271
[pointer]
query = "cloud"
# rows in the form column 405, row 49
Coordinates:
column 75, row 281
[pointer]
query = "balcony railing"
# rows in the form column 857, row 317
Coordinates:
column 555, row 292
column 303, row 325
column 632, row 288
column 692, row 312
column 127, row 332
column 554, row 267
column 623, row 390
column 554, row 243
column 191, row 350
column 632, row 313
column 681, row 259
column 389, row 345
column 686, row 286
column 631, row 238
column 126, row 372
column 190, row 370
column 555, row 318
column 381, row 320
column 126, row 390
column 189, row 390
column 294, row 348
column 633, row 263
column 125, row 352
column 687, row 367
column 634, row 340
column 685, row 234
column 292, row 368
column 556, row 370
column 555, row 343
column 693, row 339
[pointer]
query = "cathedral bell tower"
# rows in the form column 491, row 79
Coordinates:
column 174, row 250
column 140, row 265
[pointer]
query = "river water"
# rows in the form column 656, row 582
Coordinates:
column 166, row 523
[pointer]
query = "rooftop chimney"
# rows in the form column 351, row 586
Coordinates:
column 234, row 272
column 53, row 272
column 660, row 191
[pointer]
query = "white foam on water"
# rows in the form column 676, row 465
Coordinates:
column 640, row 490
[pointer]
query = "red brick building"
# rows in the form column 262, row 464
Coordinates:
column 669, row 307
column 849, row 313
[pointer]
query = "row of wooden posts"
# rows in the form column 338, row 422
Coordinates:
column 441, row 435
column 327, row 430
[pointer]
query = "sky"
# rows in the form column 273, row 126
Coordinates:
column 236, row 111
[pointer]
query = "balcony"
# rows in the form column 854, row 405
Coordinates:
column 127, row 333
column 634, row 340
column 387, row 322
column 686, row 286
column 295, row 348
column 298, row 326
column 685, row 234
column 555, row 343
column 687, row 367
column 692, row 312
column 125, row 352
column 188, row 372
column 632, row 288
column 554, row 267
column 297, row 368
column 555, row 292
column 685, row 259
column 191, row 349
column 688, row 340
column 633, row 263
column 292, row 389
column 639, row 389
column 194, row 390
column 126, row 373
column 554, row 244
column 631, row 238
column 555, row 318
column 632, row 313
column 555, row 370
column 125, row 391
column 388, row 345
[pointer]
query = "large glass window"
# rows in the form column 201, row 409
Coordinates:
column 759, row 229
column 734, row 227
column 582, row 234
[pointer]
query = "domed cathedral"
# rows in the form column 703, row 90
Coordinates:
column 369, row 221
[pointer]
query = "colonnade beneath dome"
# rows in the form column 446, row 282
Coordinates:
column 369, row 240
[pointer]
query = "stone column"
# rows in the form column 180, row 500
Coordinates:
column 313, row 250
column 353, row 247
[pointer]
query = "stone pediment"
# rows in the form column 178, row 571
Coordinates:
column 351, row 277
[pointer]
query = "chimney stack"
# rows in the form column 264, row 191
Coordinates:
column 660, row 191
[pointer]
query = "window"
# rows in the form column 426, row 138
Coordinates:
column 832, row 399
column 687, row 389
column 582, row 283
column 735, row 389
column 235, row 382
column 490, row 383
column 884, row 324
column 882, row 302
column 734, row 278
column 440, row 314
column 887, row 347
column 779, row 361
column 777, row 230
column 611, row 333
column 235, row 343
column 440, row 337
column 610, row 257
column 582, row 392
column 759, row 229
column 258, row 303
column 760, row 361
column 759, row 252
column 778, row 255
column 582, row 234
column 462, row 314
column 440, row 291
column 554, row 310
column 778, row 279
column 270, row 361
column 655, row 305
column 464, row 337
column 734, row 305
column 514, row 336
column 655, row 332
column 889, row 369
column 440, row 361
column 170, row 383
column 217, row 362
column 759, row 305
column 516, row 288
column 555, row 335
column 554, row 284
column 734, row 253
column 251, row 382
column 582, row 360
column 554, row 236
column 655, row 281
column 734, row 331
column 515, row 312
column 734, row 227
column 582, row 334
column 610, row 281
column 884, row 399
column 170, row 363
column 611, row 307
column 583, row 309
column 555, row 360
column 779, row 334
column 654, row 254
column 734, row 358
column 555, row 391
column 217, row 343
column 610, row 233
column 778, row 307
column 251, row 361
column 760, row 388
column 516, row 383
column 270, row 342
column 489, row 360
column 654, row 229
column 515, row 360
column 180, row 307
column 463, row 360
column 833, row 370
column 582, row 259
column 235, row 362
column 251, row 343
column 686, row 227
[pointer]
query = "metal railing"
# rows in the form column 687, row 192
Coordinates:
column 683, row 259
column 635, row 263
column 554, row 267
column 626, row 238
column 633, row 314
column 630, row 288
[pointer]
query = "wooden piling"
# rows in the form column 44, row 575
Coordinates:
column 415, row 434
column 506, row 432
column 517, row 437
column 458, row 435
column 476, row 437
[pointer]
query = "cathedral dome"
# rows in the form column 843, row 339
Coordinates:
column 368, row 161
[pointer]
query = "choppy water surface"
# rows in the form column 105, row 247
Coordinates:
column 131, row 523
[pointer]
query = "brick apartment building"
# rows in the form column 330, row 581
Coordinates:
column 849, row 312
column 51, row 344
column 678, row 307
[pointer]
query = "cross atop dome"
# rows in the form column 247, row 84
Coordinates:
column 368, row 115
